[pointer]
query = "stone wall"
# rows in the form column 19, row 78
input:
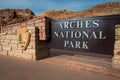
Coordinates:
column 116, row 57
column 41, row 22
column 9, row 45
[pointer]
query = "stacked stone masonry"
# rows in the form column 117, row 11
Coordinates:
column 42, row 23
column 9, row 45
column 116, row 57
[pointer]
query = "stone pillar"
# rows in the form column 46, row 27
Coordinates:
column 43, row 23
column 41, row 46
column 116, row 57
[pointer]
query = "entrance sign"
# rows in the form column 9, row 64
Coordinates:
column 95, row 34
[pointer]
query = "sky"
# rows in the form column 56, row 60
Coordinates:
column 40, row 6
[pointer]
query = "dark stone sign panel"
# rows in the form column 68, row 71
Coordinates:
column 95, row 34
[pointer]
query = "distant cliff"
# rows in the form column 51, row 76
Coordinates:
column 12, row 16
column 110, row 8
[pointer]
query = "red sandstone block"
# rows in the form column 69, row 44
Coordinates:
column 7, row 41
column 42, row 38
column 3, row 37
column 30, row 47
column 16, row 54
column 14, row 47
column 18, row 51
column 6, row 47
column 29, row 51
column 10, row 53
column 38, row 21
column 40, row 27
column 42, row 31
column 43, row 35
column 11, row 37
column 26, row 56
column 23, row 24
column 30, row 22
column 16, row 28
column 44, row 20
column 31, row 28
column 39, row 24
column 43, row 27
column 5, row 44
column 4, row 53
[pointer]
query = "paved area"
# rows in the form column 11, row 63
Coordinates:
column 17, row 69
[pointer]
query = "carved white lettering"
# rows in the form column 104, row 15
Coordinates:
column 93, row 35
column 66, row 43
column 85, row 34
column 88, row 22
column 66, row 24
column 101, row 35
column 85, row 45
column 55, row 34
column 95, row 23
column 77, row 34
column 79, row 24
column 76, row 44
column 61, row 26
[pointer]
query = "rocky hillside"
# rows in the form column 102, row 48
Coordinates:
column 110, row 8
column 12, row 16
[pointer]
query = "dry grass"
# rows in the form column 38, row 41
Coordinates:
column 110, row 8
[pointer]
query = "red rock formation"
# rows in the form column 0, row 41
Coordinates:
column 12, row 16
